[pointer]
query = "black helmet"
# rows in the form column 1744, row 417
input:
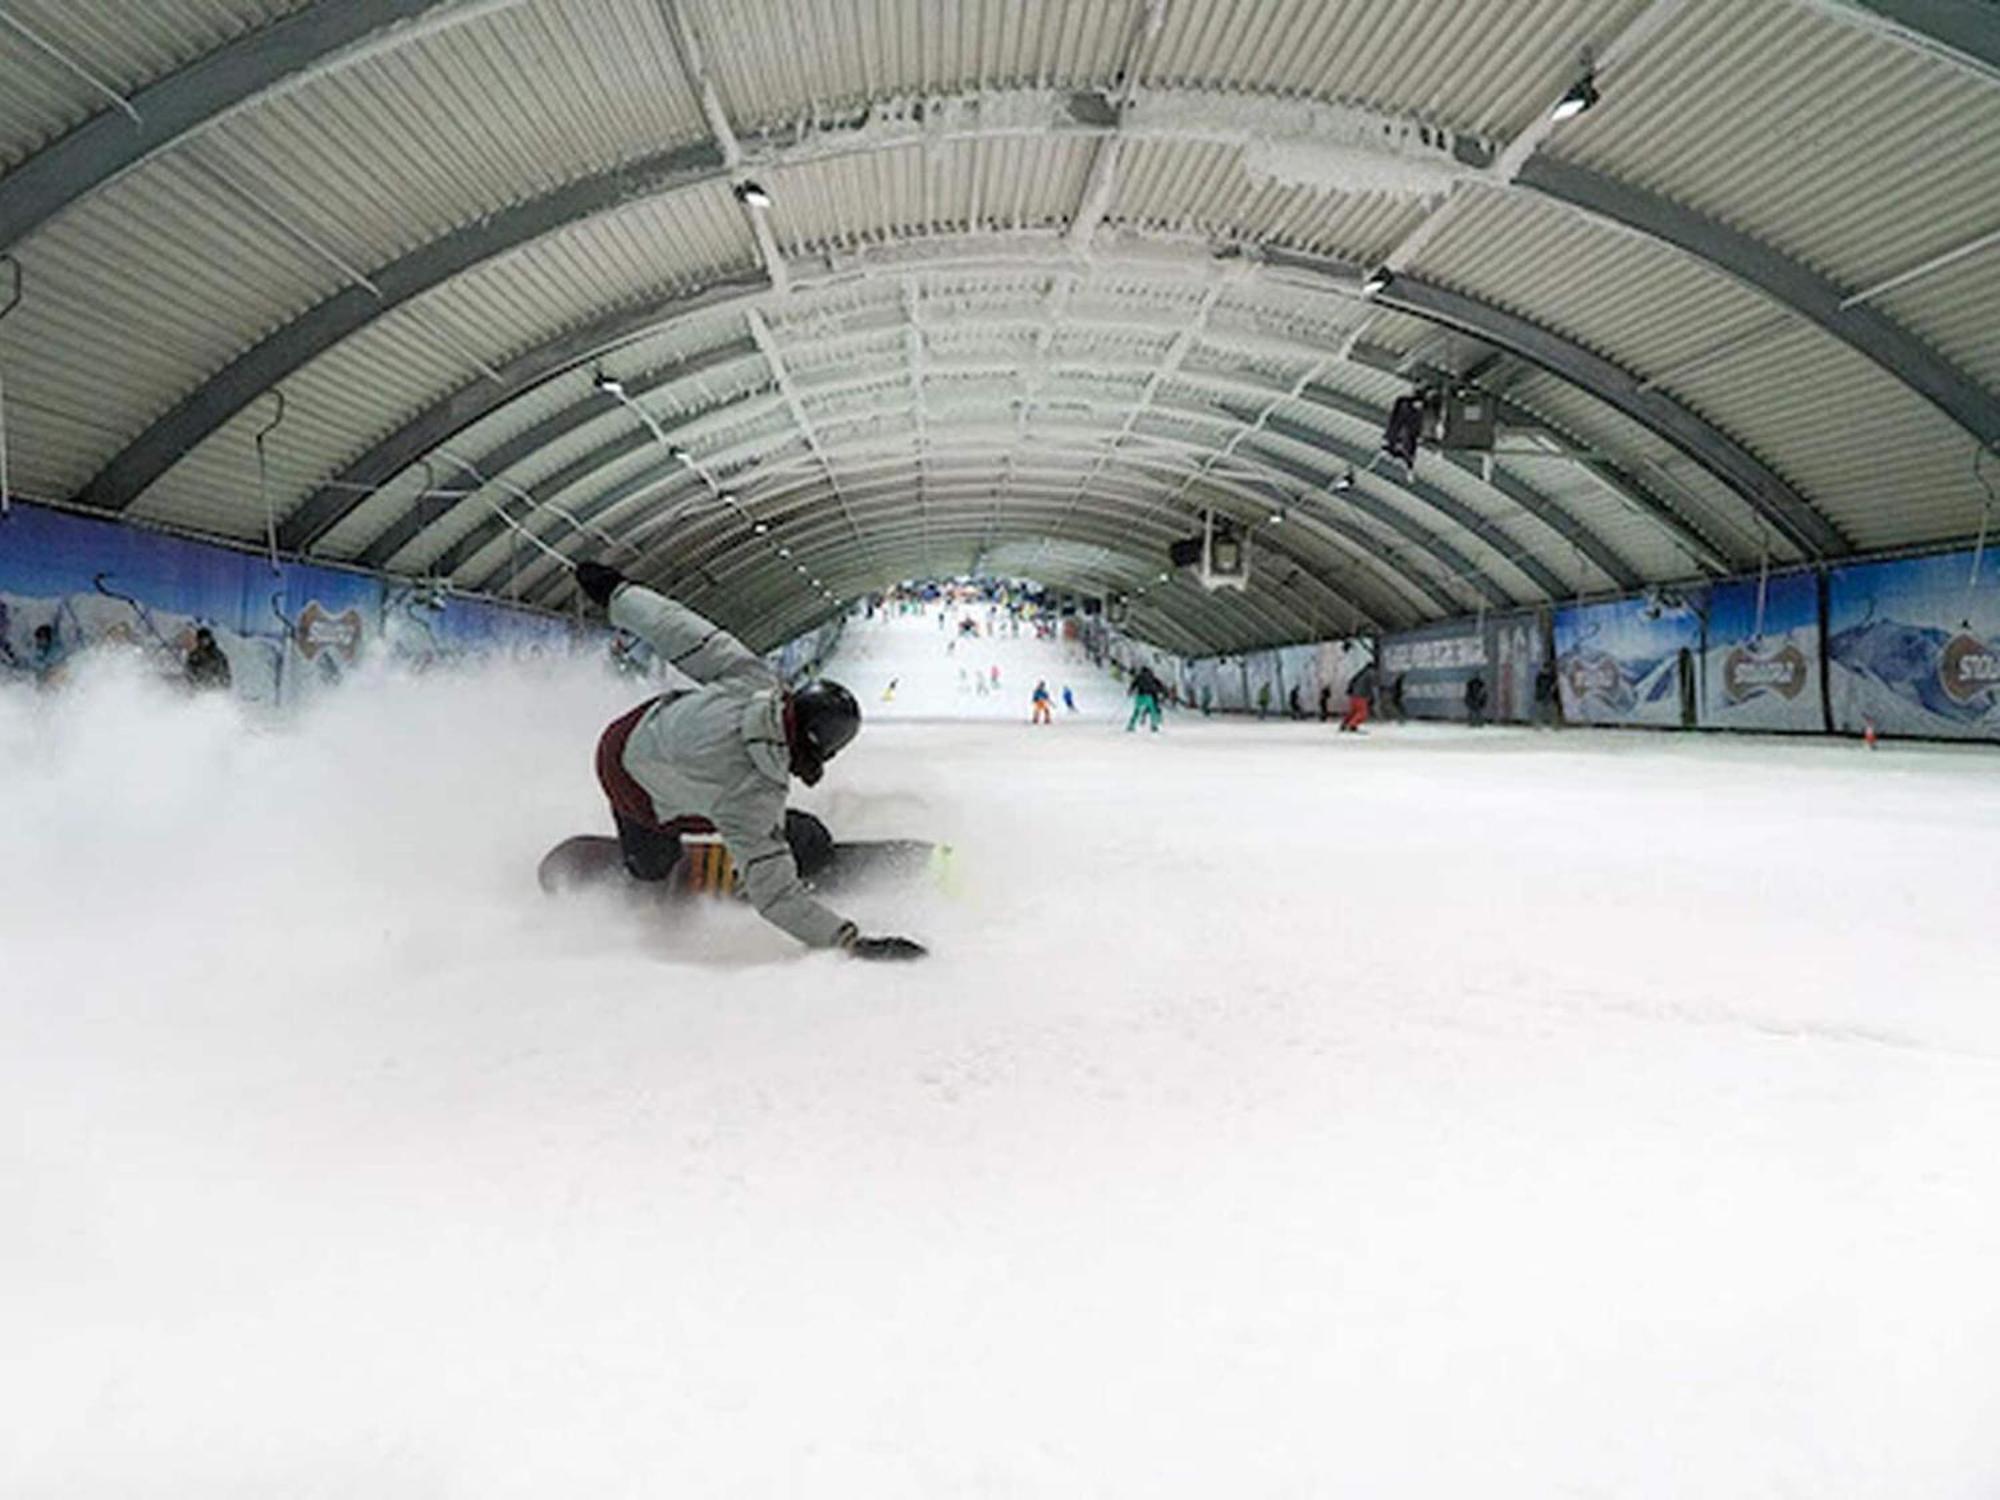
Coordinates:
column 824, row 718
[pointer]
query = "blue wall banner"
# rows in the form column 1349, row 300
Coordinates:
column 1760, row 668
column 1913, row 647
column 1632, row 661
column 1427, row 669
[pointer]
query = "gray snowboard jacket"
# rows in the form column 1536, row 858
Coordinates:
column 720, row 753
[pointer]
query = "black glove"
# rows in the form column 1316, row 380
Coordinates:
column 880, row 948
column 598, row 581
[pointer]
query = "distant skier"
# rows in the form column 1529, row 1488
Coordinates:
column 1546, row 697
column 996, row 677
column 1041, row 714
column 1475, row 700
column 1146, row 690
column 1293, row 708
column 1360, row 697
column 207, row 667
column 889, row 692
column 1325, row 701
column 720, row 757
column 1069, row 699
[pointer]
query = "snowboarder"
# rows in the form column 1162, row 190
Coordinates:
column 1041, row 700
column 207, row 667
column 1146, row 691
column 1360, row 697
column 720, row 757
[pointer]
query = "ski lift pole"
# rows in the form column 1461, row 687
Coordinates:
column 264, row 480
column 13, row 301
column 1985, row 525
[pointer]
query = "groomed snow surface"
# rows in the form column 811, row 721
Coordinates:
column 1282, row 1113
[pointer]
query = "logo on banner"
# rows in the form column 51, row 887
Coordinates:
column 1594, row 674
column 1749, row 673
column 320, row 630
column 1968, row 667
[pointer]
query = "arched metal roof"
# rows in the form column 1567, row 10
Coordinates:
column 1039, row 281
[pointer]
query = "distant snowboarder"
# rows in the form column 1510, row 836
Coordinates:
column 1041, row 714
column 207, row 667
column 1146, row 690
column 1069, row 699
column 719, row 758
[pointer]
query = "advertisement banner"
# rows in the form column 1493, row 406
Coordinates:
column 1632, row 661
column 1760, row 668
column 1517, row 650
column 1425, row 671
column 1913, row 647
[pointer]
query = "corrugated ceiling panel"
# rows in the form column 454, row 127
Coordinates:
column 334, row 408
column 393, row 152
column 1847, row 151
column 1482, row 65
column 1957, row 312
column 157, row 281
column 1204, row 187
column 1617, row 523
column 1641, row 305
column 1716, row 512
column 410, row 359
column 125, row 48
column 1884, row 465
column 776, row 61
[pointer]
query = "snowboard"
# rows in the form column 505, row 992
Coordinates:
column 593, row 862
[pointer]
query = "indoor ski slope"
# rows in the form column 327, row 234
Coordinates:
column 1281, row 1114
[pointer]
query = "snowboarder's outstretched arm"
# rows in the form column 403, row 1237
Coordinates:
column 752, row 824
column 690, row 644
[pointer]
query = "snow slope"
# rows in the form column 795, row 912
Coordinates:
column 1281, row 1113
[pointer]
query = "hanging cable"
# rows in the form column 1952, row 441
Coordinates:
column 1763, row 583
column 1985, row 526
column 13, row 301
column 264, row 480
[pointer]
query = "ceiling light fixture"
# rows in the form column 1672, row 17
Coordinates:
column 761, row 528
column 1377, row 281
column 678, row 454
column 611, row 385
column 1345, row 483
column 784, row 552
column 1582, row 94
column 752, row 195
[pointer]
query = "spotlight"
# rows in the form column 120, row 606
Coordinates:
column 1345, row 483
column 761, row 528
column 1582, row 94
column 1166, row 578
column 784, row 552
column 725, row 497
column 1277, row 518
column 799, row 567
column 611, row 385
column 1376, row 281
column 677, row 453
column 753, row 195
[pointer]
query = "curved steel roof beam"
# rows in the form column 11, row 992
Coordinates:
column 209, row 89
column 1399, row 573
column 1776, row 501
column 1453, row 563
column 1340, row 574
column 326, row 507
column 197, row 416
column 1791, row 285
column 650, row 480
column 1965, row 32
column 495, row 462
